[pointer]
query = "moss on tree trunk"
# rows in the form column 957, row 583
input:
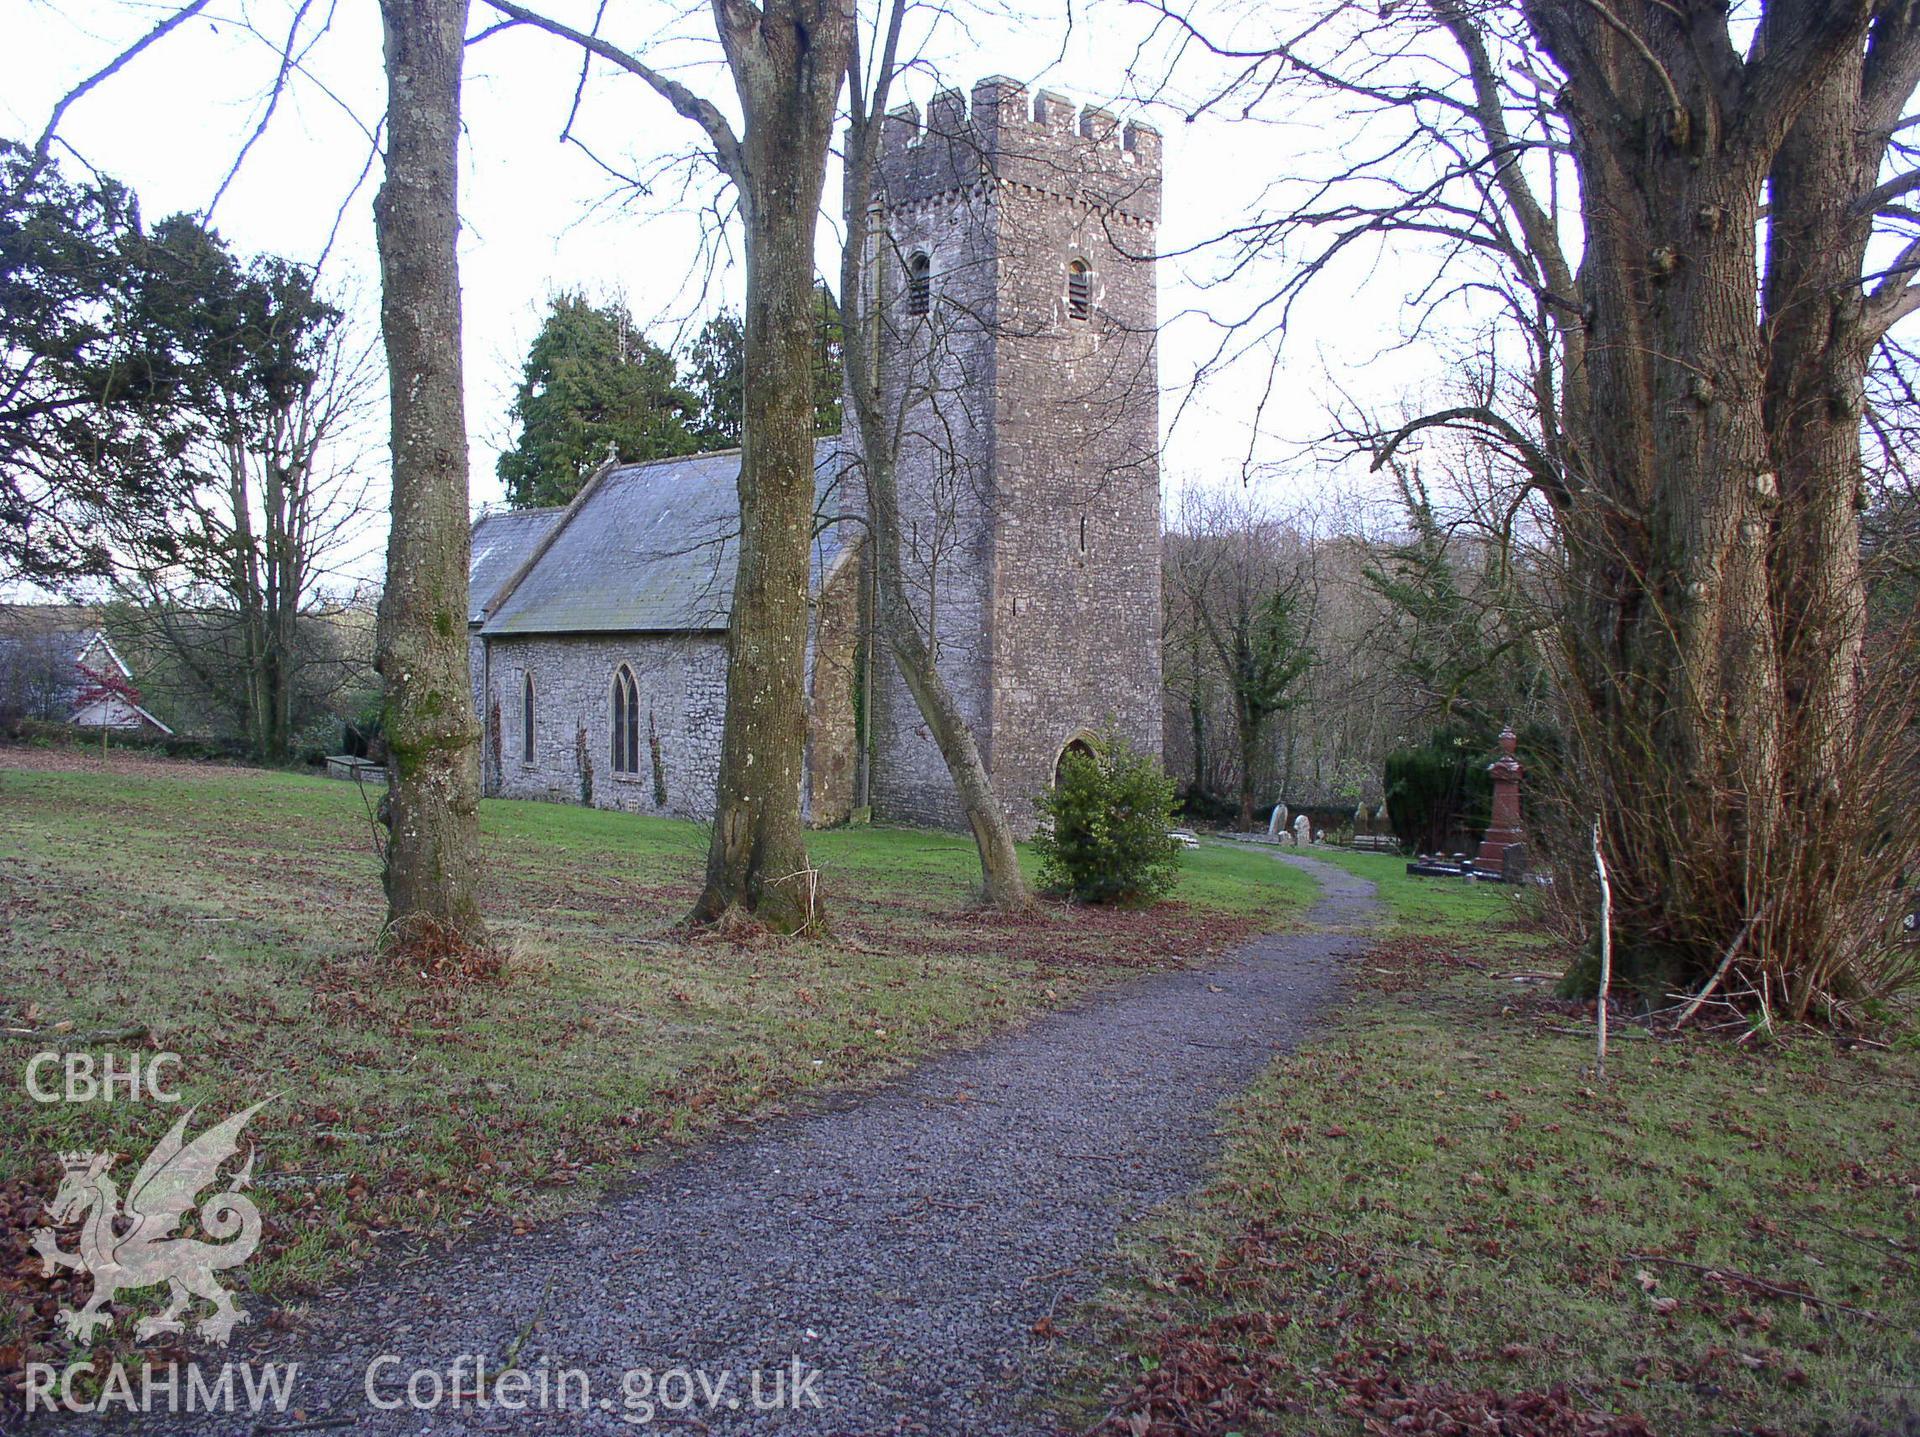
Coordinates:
column 786, row 60
column 433, row 738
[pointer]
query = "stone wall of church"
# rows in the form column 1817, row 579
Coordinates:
column 682, row 684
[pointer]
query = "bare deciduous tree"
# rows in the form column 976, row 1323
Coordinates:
column 1698, row 232
column 787, row 59
column 239, row 614
column 432, row 736
column 277, row 389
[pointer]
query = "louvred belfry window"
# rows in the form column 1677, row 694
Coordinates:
column 919, row 284
column 1079, row 290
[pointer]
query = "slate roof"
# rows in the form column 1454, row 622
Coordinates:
column 646, row 548
column 501, row 543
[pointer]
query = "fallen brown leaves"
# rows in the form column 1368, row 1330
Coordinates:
column 1052, row 934
column 1402, row 964
column 33, row 1300
column 1385, row 1403
column 1224, row 1377
column 1210, row 1378
column 444, row 958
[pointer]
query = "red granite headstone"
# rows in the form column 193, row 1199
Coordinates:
column 1506, row 828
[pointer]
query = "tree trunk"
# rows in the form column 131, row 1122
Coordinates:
column 432, row 738
column 1286, row 771
column 1817, row 249
column 1197, row 720
column 1002, row 885
column 1716, row 590
column 278, row 543
column 243, row 581
column 1250, row 728
column 758, row 856
column 1673, row 642
column 787, row 61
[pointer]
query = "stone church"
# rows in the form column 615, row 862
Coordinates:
column 1018, row 352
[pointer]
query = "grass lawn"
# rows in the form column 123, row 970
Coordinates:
column 1436, row 1213
column 231, row 912
column 1437, row 907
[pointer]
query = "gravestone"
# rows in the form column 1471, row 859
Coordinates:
column 1277, row 823
column 1513, row 863
column 1302, row 832
column 1371, row 831
column 1506, row 828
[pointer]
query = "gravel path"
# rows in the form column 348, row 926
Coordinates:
column 903, row 1245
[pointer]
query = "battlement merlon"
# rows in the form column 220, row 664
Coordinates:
column 1045, row 142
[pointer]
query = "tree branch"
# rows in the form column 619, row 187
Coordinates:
column 1536, row 222
column 43, row 147
column 287, row 62
column 1621, row 28
column 1892, row 70
column 1895, row 308
column 1540, row 467
column 1797, row 44
column 726, row 147
column 1897, row 295
column 1877, row 200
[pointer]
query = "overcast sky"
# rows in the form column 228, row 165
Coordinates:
column 539, row 215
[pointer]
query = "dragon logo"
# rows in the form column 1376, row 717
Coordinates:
column 131, row 1244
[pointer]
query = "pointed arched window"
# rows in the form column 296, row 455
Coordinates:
column 626, row 721
column 919, row 284
column 526, row 718
column 1079, row 290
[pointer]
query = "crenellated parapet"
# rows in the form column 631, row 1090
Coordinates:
column 1044, row 143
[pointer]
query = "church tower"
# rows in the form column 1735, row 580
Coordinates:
column 1015, row 268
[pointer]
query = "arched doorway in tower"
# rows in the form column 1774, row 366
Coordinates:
column 1081, row 744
